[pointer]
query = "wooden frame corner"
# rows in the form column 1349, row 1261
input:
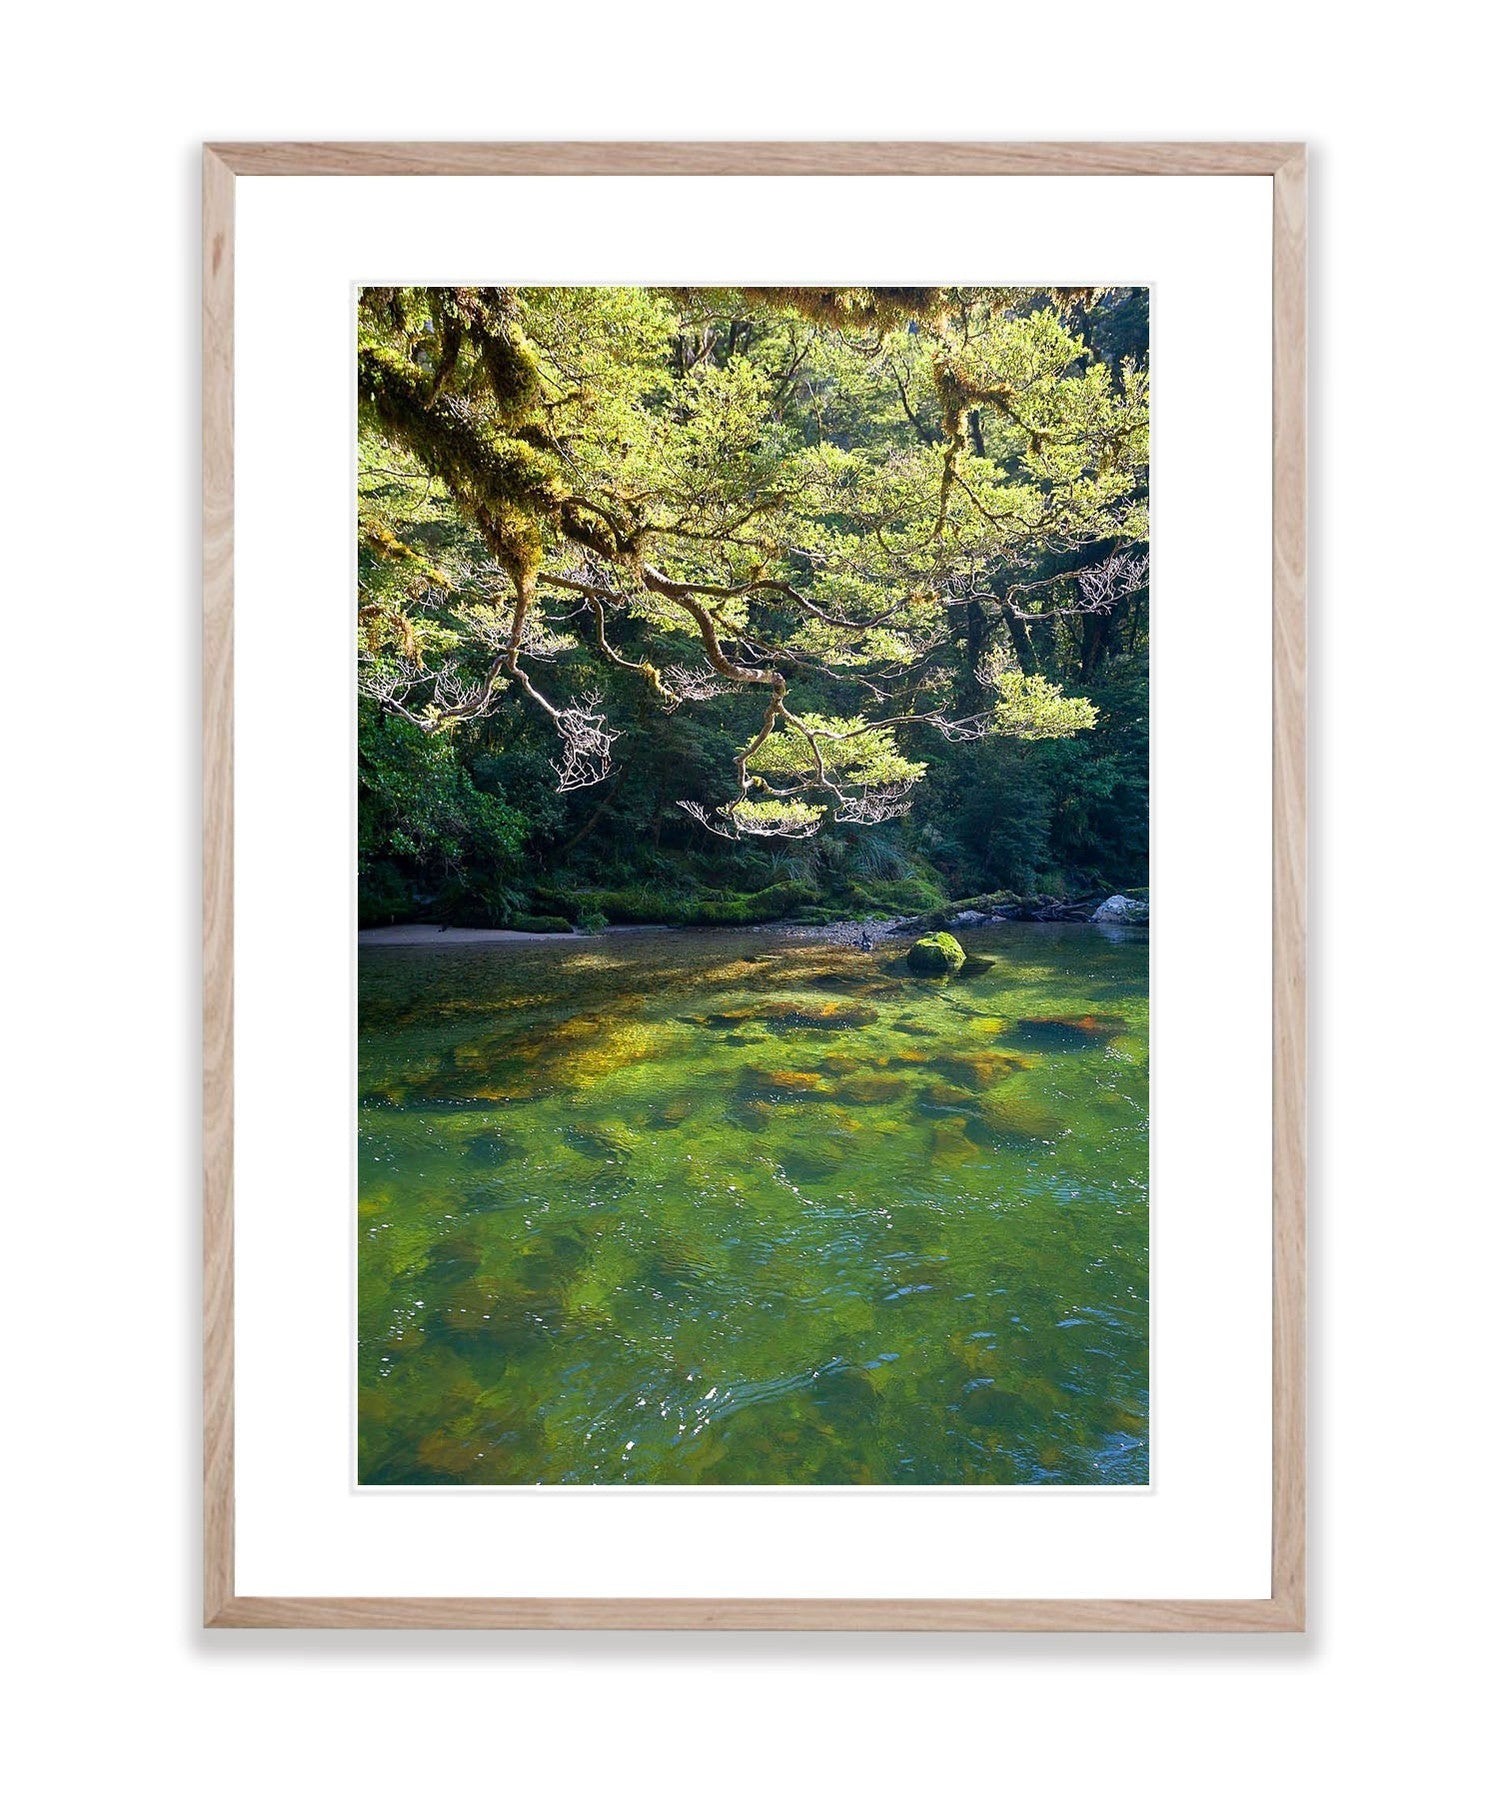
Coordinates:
column 1286, row 163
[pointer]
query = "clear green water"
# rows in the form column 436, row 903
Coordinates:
column 712, row 1207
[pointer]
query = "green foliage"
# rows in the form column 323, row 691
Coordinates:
column 861, row 754
column 427, row 832
column 879, row 858
column 1029, row 707
column 891, row 899
column 888, row 496
column 1050, row 816
column 651, row 905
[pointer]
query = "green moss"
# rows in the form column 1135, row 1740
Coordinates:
column 937, row 953
column 889, row 899
column 980, row 902
column 510, row 365
column 879, row 309
column 504, row 485
column 710, row 906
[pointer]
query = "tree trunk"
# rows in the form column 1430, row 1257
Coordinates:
column 976, row 629
column 1020, row 637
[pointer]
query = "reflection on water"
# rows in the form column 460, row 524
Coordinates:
column 711, row 1207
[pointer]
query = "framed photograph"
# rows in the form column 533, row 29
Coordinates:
column 754, row 808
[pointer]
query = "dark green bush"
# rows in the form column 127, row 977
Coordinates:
column 889, row 899
column 431, row 840
column 649, row 905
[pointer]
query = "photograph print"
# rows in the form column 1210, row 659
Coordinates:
column 753, row 884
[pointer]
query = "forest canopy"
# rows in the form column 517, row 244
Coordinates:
column 748, row 602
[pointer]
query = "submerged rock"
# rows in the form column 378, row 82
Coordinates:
column 517, row 1065
column 600, row 1142
column 490, row 1149
column 1017, row 1120
column 851, row 980
column 937, row 953
column 978, row 1069
column 939, row 1100
column 750, row 1114
column 450, row 1261
column 820, row 1015
column 848, row 1396
column 1082, row 1031
column 808, row 1165
column 992, row 1407
column 870, row 1089
column 779, row 1083
column 789, row 1015
column 951, row 1144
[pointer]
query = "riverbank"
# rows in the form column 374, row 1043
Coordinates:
column 453, row 936
column 850, row 932
column 407, row 936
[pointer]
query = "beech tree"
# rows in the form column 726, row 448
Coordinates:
column 747, row 490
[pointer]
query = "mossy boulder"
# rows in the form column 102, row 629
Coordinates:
column 937, row 953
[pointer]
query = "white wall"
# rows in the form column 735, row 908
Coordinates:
column 106, row 107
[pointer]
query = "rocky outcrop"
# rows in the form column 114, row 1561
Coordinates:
column 1002, row 908
column 1129, row 907
column 1119, row 908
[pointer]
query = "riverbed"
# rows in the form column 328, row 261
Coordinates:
column 710, row 1207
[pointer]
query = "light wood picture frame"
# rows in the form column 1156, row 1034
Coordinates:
column 1285, row 164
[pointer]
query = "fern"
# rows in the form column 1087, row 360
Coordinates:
column 877, row 859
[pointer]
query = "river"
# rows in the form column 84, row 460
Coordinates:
column 696, row 1207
